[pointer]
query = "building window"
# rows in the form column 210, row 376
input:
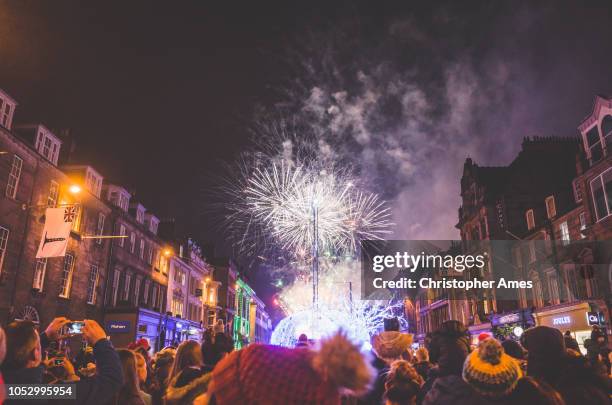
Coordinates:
column 565, row 235
column 577, row 187
column 39, row 274
column 78, row 215
column 14, row 176
column 124, row 202
column 553, row 287
column 601, row 187
column 518, row 256
column 140, row 216
column 47, row 145
column 177, row 306
column 132, row 242
column 588, row 274
column 137, row 290
column 530, row 219
column 115, row 292
column 122, row 233
column 153, row 226
column 179, row 276
column 551, row 210
column 163, row 264
column 532, row 251
column 145, row 296
column 100, row 227
column 66, row 281
column 93, row 182
column 141, row 250
column 4, row 235
column 126, row 286
column 594, row 145
column 582, row 219
column 154, row 296
column 53, row 194
column 536, row 293
column 150, row 255
column 5, row 114
column 92, row 285
column 606, row 131
column 574, row 288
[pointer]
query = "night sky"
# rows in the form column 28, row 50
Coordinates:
column 157, row 94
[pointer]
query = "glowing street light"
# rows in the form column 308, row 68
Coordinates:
column 74, row 189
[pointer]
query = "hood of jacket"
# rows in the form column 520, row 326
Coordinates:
column 451, row 389
column 187, row 393
column 391, row 344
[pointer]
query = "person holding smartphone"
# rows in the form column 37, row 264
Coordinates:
column 60, row 370
column 23, row 363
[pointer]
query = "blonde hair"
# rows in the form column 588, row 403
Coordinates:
column 403, row 383
column 422, row 354
column 188, row 354
column 141, row 366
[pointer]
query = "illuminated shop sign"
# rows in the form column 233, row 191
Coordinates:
column 593, row 318
column 118, row 326
column 562, row 320
column 510, row 318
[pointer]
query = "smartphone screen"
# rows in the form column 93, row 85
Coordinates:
column 58, row 362
column 76, row 328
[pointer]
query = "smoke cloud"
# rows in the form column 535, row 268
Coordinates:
column 407, row 101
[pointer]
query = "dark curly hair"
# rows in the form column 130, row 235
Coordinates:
column 403, row 383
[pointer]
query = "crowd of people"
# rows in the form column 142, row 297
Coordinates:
column 545, row 367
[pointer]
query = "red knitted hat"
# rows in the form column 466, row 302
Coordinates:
column 142, row 342
column 483, row 336
column 263, row 374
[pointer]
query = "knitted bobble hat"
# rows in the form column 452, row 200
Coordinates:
column 490, row 371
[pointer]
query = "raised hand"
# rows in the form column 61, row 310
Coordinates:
column 93, row 332
column 55, row 326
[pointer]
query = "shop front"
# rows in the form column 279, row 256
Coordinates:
column 476, row 330
column 177, row 330
column 576, row 318
column 511, row 325
column 126, row 326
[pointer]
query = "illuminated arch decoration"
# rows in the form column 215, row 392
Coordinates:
column 28, row 313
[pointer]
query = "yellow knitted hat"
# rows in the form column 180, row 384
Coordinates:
column 490, row 371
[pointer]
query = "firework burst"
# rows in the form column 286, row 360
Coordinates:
column 277, row 203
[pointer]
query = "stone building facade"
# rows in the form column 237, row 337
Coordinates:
column 41, row 289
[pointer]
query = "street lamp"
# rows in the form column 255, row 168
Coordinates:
column 74, row 189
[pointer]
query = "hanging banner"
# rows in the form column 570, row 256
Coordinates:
column 58, row 222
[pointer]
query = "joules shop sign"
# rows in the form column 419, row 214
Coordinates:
column 562, row 320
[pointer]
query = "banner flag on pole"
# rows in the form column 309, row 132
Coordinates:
column 58, row 222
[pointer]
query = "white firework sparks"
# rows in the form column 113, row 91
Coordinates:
column 280, row 200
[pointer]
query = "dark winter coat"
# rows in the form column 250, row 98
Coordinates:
column 571, row 343
column 375, row 395
column 451, row 389
column 96, row 390
column 423, row 367
column 187, row 386
column 579, row 384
